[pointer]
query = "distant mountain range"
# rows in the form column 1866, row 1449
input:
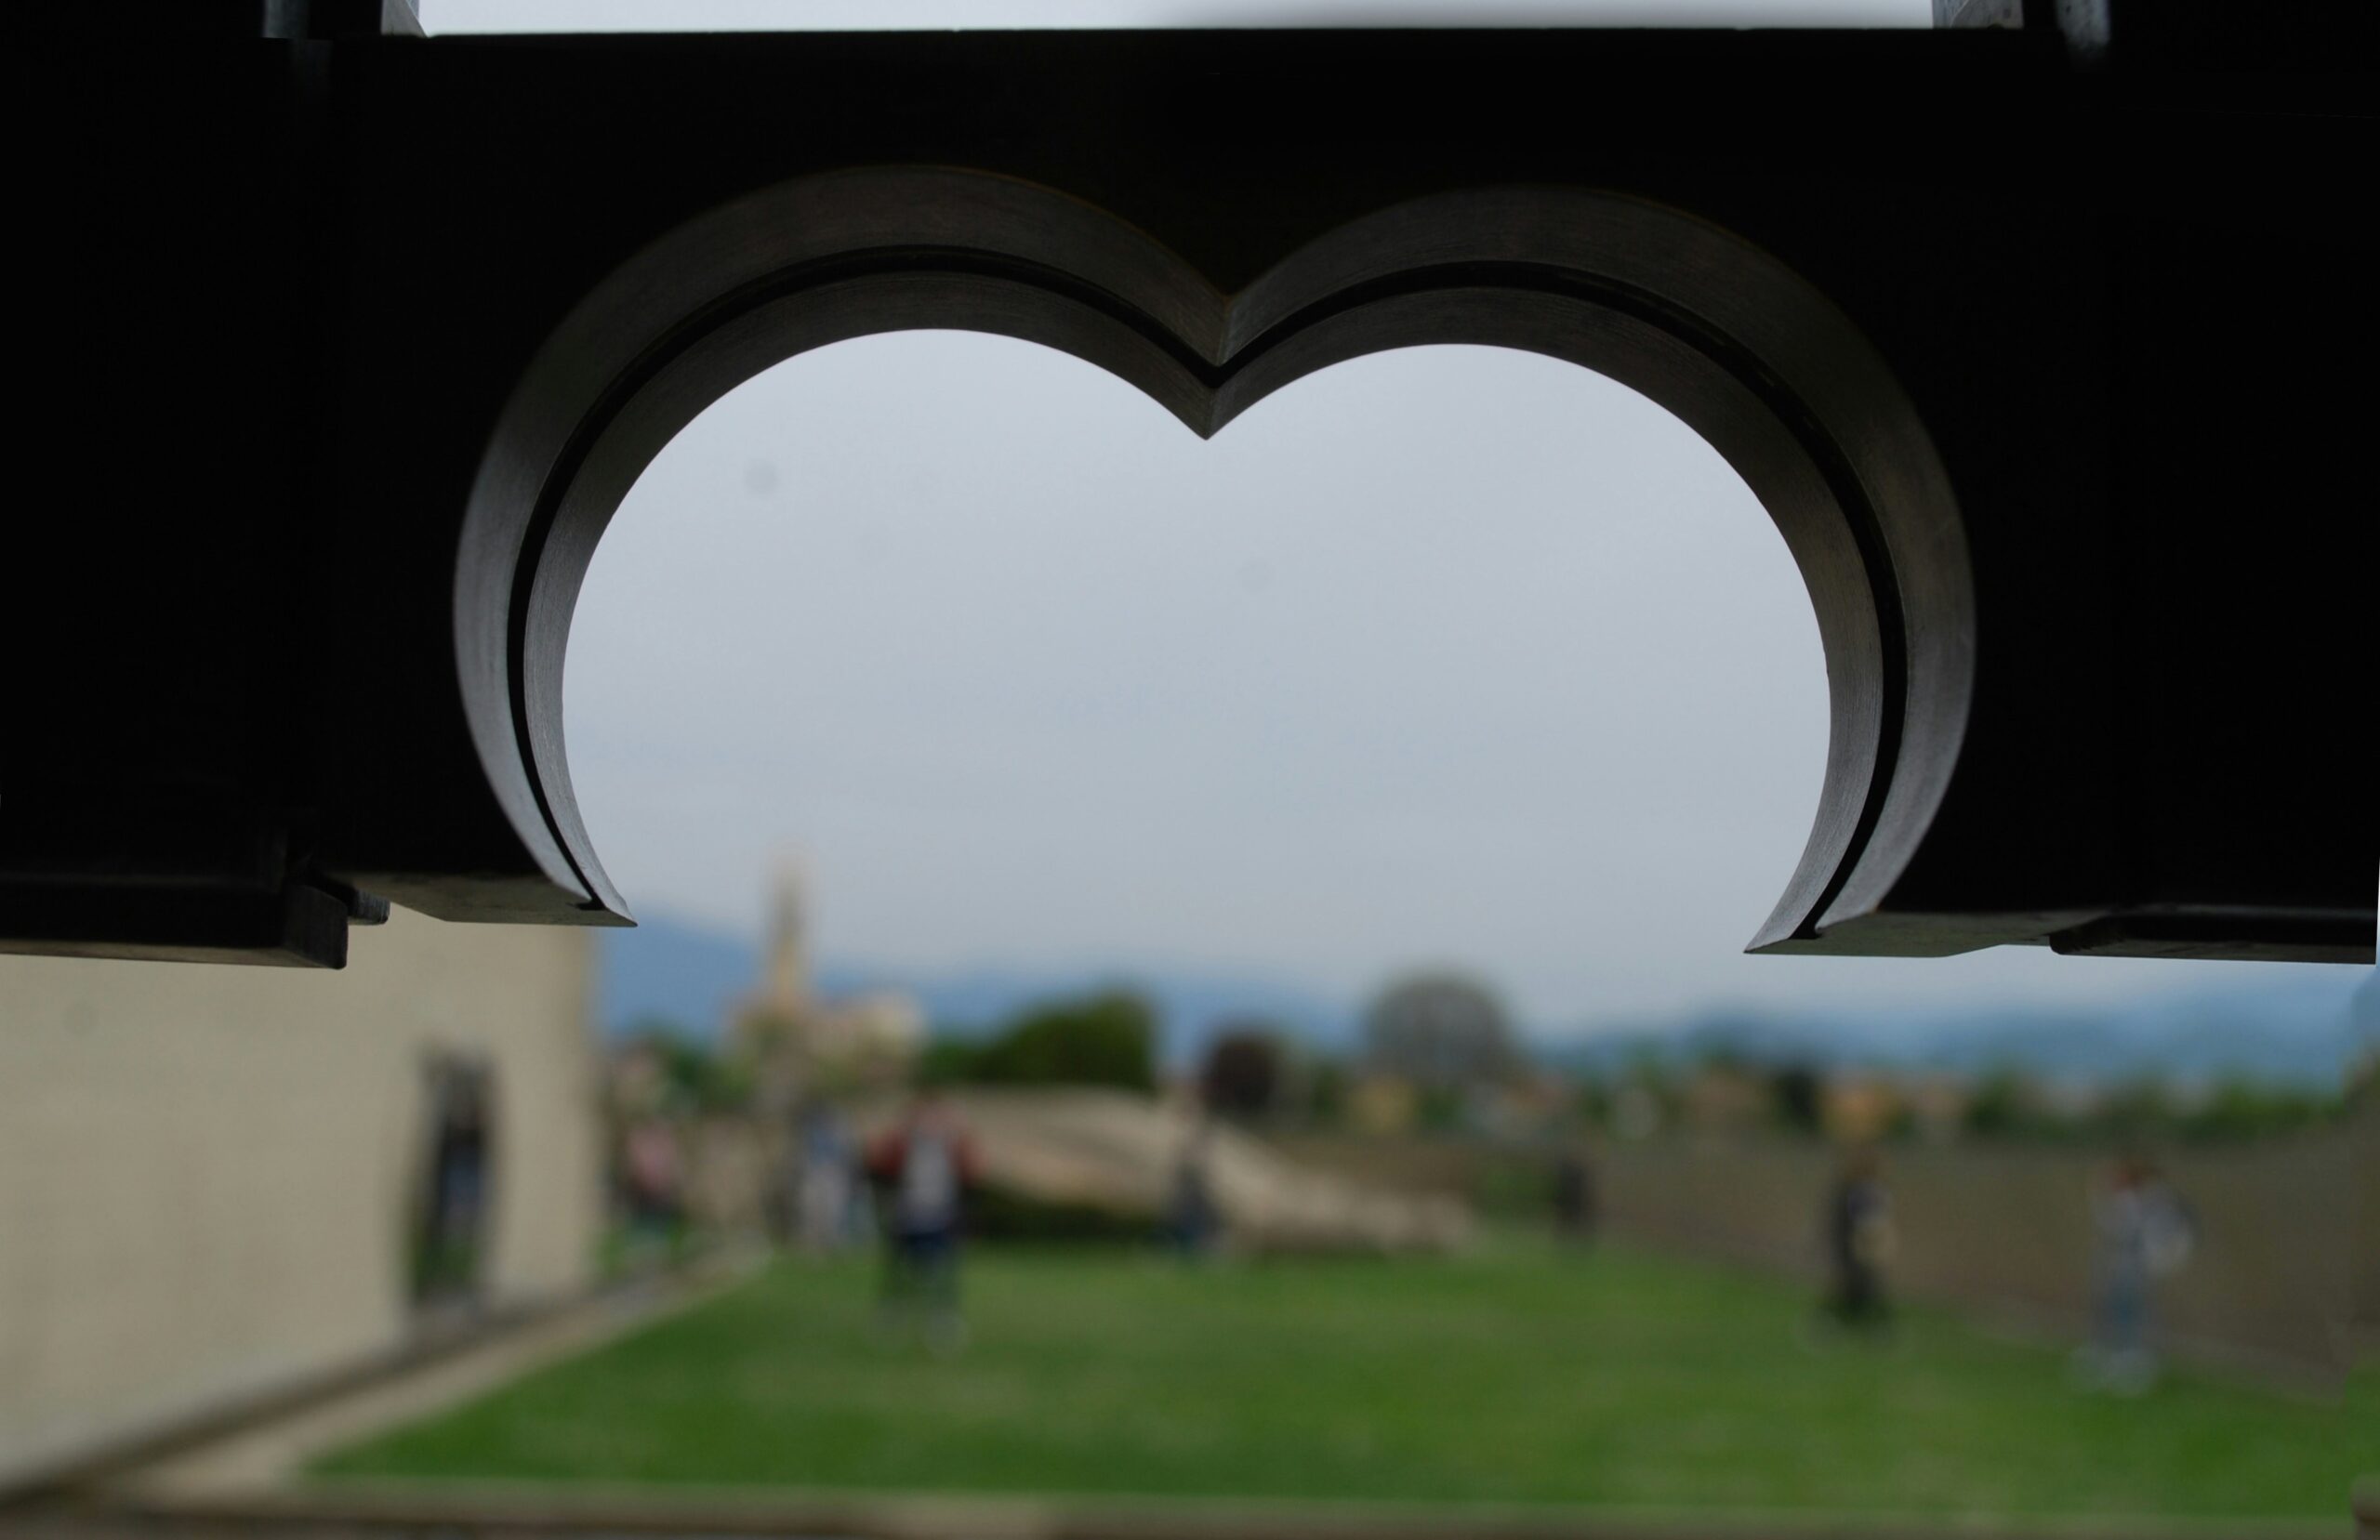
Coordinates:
column 2296, row 1029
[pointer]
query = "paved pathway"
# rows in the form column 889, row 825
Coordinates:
column 264, row 1456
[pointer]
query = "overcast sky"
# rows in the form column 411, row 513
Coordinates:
column 1452, row 655
column 1446, row 655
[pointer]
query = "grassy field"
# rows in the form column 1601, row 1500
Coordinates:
column 1518, row 1376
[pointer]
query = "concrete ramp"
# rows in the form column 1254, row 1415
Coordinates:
column 1118, row 1151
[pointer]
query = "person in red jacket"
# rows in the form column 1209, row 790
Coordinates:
column 922, row 1167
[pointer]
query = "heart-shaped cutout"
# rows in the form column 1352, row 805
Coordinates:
column 1706, row 325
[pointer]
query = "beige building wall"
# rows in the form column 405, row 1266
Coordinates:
column 2366, row 1305
column 208, row 1174
column 2366, row 1100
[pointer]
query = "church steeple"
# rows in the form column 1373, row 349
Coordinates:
column 787, row 987
column 798, row 1045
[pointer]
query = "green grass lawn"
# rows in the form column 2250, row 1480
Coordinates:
column 1515, row 1377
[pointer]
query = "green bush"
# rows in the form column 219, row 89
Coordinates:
column 1104, row 1039
column 697, row 1077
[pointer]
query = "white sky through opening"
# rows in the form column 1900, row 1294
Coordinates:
column 1447, row 655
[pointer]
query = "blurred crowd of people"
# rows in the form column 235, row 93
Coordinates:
column 907, row 1188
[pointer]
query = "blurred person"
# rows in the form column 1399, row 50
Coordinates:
column 823, row 1197
column 923, row 1165
column 1574, row 1194
column 653, row 1178
column 1858, row 1236
column 1193, row 1216
column 2142, row 1231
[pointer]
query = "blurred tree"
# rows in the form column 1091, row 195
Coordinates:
column 1104, row 1039
column 695, row 1077
column 1326, row 1093
column 2001, row 1106
column 1440, row 1109
column 2139, row 1109
column 2006, row 1105
column 1725, row 1057
column 1440, row 1031
column 1245, row 1071
column 949, row 1061
column 2237, row 1108
column 1592, row 1099
column 1797, row 1098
